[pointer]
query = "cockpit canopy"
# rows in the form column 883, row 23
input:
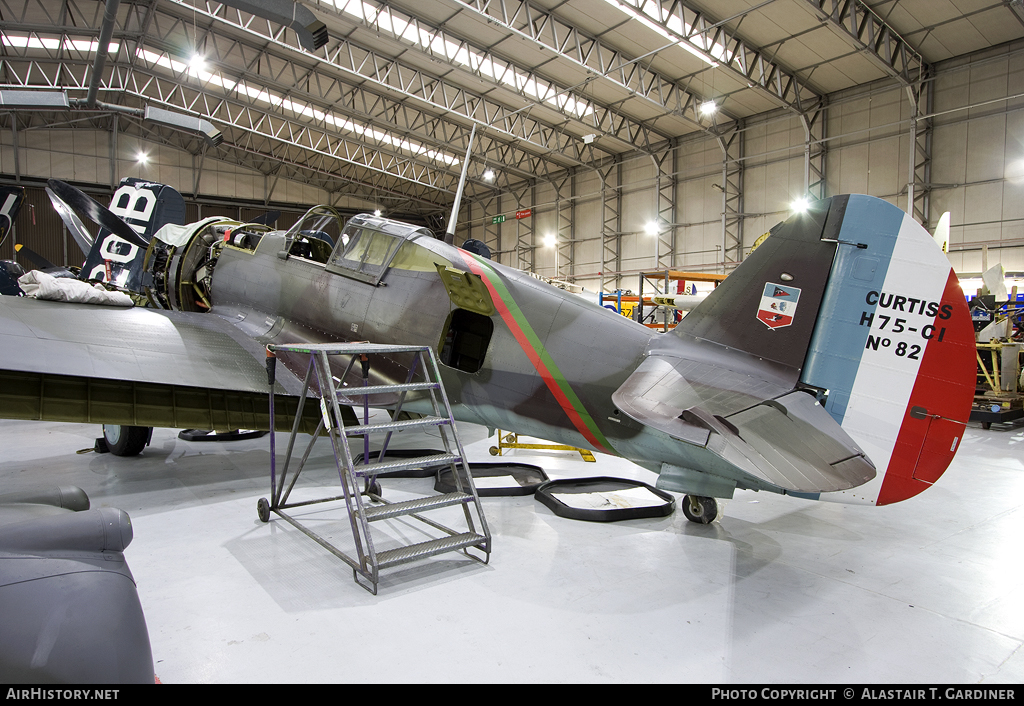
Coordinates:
column 368, row 244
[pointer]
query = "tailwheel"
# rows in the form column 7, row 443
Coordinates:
column 700, row 509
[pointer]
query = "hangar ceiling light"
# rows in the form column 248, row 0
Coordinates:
column 648, row 15
column 261, row 93
column 433, row 40
column 55, row 43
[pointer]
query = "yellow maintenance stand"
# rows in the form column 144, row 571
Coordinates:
column 511, row 441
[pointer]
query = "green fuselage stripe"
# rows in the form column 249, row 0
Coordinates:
column 542, row 360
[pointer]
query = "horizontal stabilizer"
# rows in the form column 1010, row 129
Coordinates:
column 663, row 386
column 800, row 447
column 774, row 434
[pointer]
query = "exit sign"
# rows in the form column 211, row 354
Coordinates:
column 524, row 213
column 497, row 219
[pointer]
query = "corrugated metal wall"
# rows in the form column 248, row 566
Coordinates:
column 39, row 227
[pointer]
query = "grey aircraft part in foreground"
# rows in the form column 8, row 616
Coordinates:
column 71, row 613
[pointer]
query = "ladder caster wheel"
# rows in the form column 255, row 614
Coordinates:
column 493, row 450
column 375, row 489
column 263, row 509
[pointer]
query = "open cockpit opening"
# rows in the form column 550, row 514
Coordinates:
column 314, row 236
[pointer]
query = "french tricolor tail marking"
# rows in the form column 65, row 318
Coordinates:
column 902, row 387
column 918, row 332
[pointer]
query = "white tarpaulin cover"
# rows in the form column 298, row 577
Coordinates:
column 611, row 499
column 176, row 235
column 40, row 285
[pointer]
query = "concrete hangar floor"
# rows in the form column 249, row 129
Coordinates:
column 778, row 590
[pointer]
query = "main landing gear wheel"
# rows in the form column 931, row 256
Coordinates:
column 700, row 509
column 126, row 441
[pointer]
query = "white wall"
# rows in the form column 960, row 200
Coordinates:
column 979, row 158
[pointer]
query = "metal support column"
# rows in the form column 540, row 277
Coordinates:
column 665, row 216
column 611, row 232
column 814, row 123
column 563, row 187
column 525, row 244
column 731, row 143
column 491, row 236
column 920, row 168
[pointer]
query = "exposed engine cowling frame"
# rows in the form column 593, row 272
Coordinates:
column 179, row 277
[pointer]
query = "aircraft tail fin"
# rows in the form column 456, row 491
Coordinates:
column 11, row 199
column 941, row 234
column 138, row 209
column 895, row 348
column 855, row 301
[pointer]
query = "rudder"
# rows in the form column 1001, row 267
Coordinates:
column 894, row 347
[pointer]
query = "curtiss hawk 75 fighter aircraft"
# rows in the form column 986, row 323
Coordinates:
column 835, row 363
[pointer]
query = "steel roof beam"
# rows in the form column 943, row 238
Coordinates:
column 603, row 119
column 255, row 120
column 282, row 72
column 704, row 35
column 65, row 74
column 526, row 20
column 869, row 33
column 433, row 94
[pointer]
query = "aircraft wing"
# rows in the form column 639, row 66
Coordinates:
column 774, row 433
column 145, row 367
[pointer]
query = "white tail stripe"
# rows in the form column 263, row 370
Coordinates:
column 885, row 377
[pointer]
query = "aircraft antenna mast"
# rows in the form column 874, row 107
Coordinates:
column 449, row 236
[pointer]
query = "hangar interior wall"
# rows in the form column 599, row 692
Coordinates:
column 977, row 173
column 590, row 225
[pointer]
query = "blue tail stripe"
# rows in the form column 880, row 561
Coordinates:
column 841, row 334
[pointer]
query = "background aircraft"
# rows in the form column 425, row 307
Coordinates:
column 836, row 362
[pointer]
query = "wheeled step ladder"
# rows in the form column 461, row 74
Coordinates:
column 361, row 491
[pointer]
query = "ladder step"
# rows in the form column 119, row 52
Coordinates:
column 352, row 391
column 430, row 548
column 408, row 507
column 346, row 348
column 393, row 426
column 372, row 469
